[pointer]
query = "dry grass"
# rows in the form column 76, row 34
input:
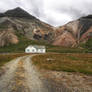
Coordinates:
column 6, row 58
column 81, row 63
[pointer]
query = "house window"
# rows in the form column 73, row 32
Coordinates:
column 41, row 50
column 28, row 50
column 33, row 50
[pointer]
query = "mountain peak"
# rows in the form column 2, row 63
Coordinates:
column 18, row 8
column 86, row 17
column 17, row 12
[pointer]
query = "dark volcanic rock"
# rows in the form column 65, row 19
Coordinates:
column 17, row 12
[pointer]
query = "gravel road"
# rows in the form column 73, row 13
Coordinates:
column 22, row 76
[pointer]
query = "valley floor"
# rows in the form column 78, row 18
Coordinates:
column 20, row 75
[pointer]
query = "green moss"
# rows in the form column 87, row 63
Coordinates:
column 73, row 58
column 89, row 44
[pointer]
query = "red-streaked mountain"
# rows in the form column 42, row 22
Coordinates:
column 74, row 32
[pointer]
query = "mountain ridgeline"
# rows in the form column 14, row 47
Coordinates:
column 17, row 24
column 74, row 33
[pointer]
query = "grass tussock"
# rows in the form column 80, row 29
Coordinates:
column 81, row 63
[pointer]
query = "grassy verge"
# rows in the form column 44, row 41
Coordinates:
column 24, row 42
column 20, row 47
column 6, row 58
column 81, row 63
column 59, row 49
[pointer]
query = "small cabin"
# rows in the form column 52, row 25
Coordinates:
column 35, row 49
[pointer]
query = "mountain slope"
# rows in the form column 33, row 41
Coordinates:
column 74, row 33
column 20, row 23
column 16, row 25
column 17, row 13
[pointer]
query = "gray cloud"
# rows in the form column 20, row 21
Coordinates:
column 51, row 11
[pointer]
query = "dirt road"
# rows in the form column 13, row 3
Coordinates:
column 22, row 76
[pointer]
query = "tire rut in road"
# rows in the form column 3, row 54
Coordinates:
column 19, row 82
column 8, row 76
column 33, row 77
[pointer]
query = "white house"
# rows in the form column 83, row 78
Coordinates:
column 35, row 49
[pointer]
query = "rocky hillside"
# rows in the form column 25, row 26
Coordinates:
column 74, row 33
column 17, row 22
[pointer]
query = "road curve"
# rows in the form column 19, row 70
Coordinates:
column 22, row 76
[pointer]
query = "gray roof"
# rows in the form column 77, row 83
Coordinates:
column 37, row 46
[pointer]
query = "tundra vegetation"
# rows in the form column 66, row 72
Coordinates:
column 80, row 63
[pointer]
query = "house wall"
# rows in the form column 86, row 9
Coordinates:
column 30, row 50
column 41, row 51
column 34, row 50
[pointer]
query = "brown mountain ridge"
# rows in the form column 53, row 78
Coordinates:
column 17, row 22
column 20, row 23
column 74, row 32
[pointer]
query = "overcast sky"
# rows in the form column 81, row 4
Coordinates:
column 54, row 12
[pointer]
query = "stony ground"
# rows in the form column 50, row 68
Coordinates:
column 20, row 75
column 76, row 82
